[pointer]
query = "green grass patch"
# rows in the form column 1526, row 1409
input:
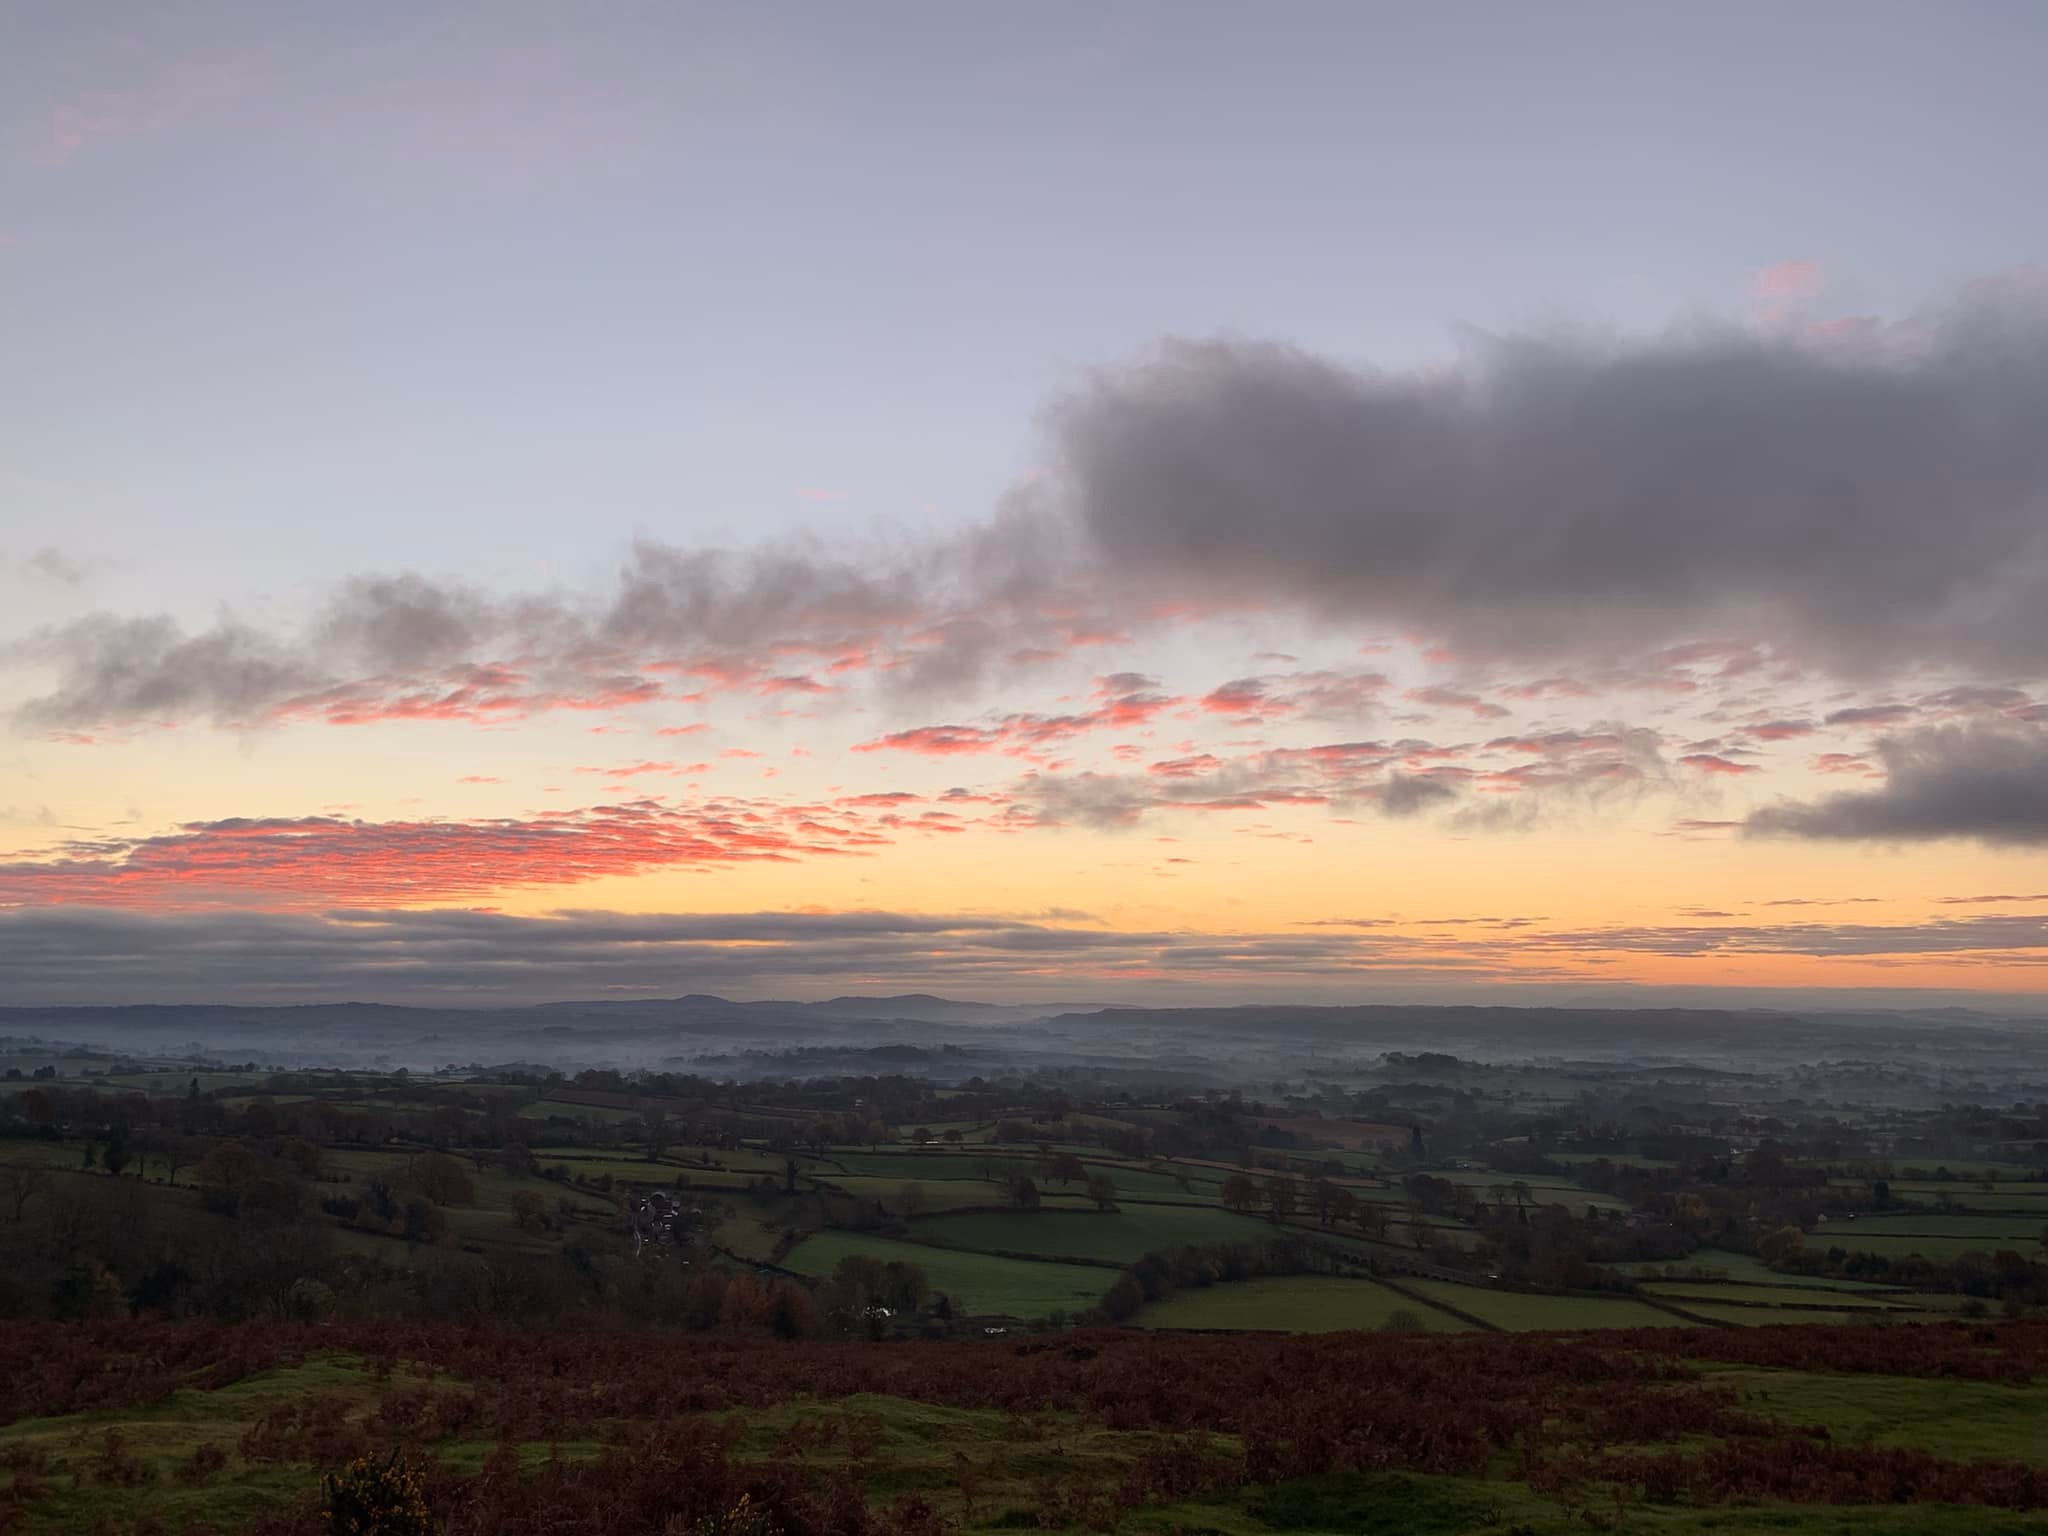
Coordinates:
column 977, row 1283
column 1762, row 1296
column 1960, row 1419
column 1291, row 1304
column 1747, row 1268
column 1517, row 1310
column 1767, row 1317
column 1120, row 1237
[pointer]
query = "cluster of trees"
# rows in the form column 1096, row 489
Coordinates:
column 1158, row 1275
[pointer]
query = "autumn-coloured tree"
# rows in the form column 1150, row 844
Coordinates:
column 441, row 1179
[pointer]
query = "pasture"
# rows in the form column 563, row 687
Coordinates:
column 1122, row 1236
column 1515, row 1311
column 1293, row 1304
column 977, row 1283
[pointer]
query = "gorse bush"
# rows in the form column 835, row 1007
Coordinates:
column 375, row 1498
column 742, row 1519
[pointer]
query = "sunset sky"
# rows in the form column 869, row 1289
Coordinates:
column 1164, row 502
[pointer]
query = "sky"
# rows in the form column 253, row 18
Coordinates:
column 1174, row 502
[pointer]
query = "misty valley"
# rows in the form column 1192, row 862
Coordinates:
column 1703, row 1258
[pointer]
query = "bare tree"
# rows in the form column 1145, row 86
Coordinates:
column 21, row 1183
column 657, row 1133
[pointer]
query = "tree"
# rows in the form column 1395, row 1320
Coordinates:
column 1102, row 1190
column 424, row 1222
column 529, row 1211
column 911, row 1201
column 225, row 1173
column 1774, row 1247
column 1066, row 1168
column 382, row 1197
column 1280, row 1198
column 441, row 1179
column 303, row 1156
column 21, row 1183
column 657, row 1133
column 1023, row 1193
column 116, row 1157
column 1240, row 1193
column 1324, row 1199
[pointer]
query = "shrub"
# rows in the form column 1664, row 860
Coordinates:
column 375, row 1498
column 201, row 1466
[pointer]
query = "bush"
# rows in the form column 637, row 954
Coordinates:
column 205, row 1461
column 375, row 1498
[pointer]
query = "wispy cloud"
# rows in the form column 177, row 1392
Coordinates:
column 311, row 862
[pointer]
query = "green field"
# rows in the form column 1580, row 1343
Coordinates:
column 928, row 1165
column 1291, row 1304
column 1764, row 1317
column 1949, row 1418
column 1765, row 1295
column 2004, row 1229
column 1122, row 1236
column 1897, row 1245
column 978, row 1283
column 1516, row 1311
column 1719, row 1264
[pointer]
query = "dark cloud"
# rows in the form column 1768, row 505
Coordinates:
column 55, row 955
column 50, row 563
column 679, row 622
column 97, row 955
column 127, row 671
column 1871, row 714
column 1410, row 794
column 2010, row 938
column 1979, row 783
column 1559, row 772
column 1865, row 505
column 1861, row 505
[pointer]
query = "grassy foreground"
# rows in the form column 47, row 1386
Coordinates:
column 1936, row 1428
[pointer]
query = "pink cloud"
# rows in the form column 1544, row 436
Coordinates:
column 1548, row 687
column 1709, row 762
column 318, row 862
column 1786, row 281
column 934, row 741
column 1186, row 767
column 1781, row 730
column 1439, row 697
column 792, row 684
